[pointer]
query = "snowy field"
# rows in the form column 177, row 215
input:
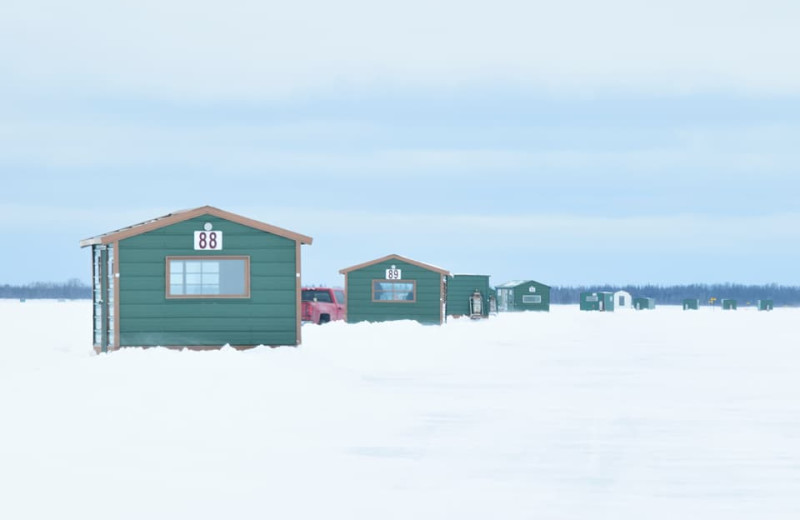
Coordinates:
column 658, row 414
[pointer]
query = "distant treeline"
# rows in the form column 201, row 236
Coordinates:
column 71, row 290
column 782, row 295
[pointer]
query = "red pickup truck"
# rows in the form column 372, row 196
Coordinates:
column 322, row 304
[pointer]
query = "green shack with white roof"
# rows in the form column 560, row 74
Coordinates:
column 523, row 295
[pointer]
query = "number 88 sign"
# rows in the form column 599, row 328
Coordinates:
column 208, row 240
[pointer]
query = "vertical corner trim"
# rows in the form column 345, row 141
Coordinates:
column 116, row 295
column 298, row 292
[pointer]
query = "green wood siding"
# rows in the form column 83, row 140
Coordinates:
column 426, row 308
column 460, row 289
column 691, row 304
column 525, row 289
column 590, row 301
column 147, row 317
column 518, row 297
column 642, row 303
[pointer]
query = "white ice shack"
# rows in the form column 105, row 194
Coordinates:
column 623, row 300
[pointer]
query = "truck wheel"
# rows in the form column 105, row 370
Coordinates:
column 324, row 318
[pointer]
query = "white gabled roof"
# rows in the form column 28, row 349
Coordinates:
column 515, row 283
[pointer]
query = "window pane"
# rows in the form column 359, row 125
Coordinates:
column 232, row 277
column 212, row 277
column 392, row 291
column 310, row 295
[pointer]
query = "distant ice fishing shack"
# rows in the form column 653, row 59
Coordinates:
column 198, row 278
column 394, row 287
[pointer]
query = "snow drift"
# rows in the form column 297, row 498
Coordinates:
column 562, row 415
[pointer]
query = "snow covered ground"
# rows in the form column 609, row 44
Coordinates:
column 644, row 415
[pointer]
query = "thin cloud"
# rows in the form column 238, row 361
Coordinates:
column 242, row 151
column 674, row 231
column 249, row 49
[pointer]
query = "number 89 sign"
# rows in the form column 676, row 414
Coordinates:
column 208, row 240
column 394, row 274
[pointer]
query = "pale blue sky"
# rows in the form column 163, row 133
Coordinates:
column 640, row 142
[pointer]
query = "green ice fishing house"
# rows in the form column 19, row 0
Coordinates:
column 597, row 301
column 463, row 290
column 395, row 288
column 642, row 303
column 691, row 304
column 198, row 278
column 523, row 295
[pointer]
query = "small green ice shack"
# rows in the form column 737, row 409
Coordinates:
column 523, row 295
column 729, row 304
column 765, row 305
column 198, row 278
column 691, row 304
column 394, row 287
column 597, row 301
column 644, row 303
column 461, row 289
